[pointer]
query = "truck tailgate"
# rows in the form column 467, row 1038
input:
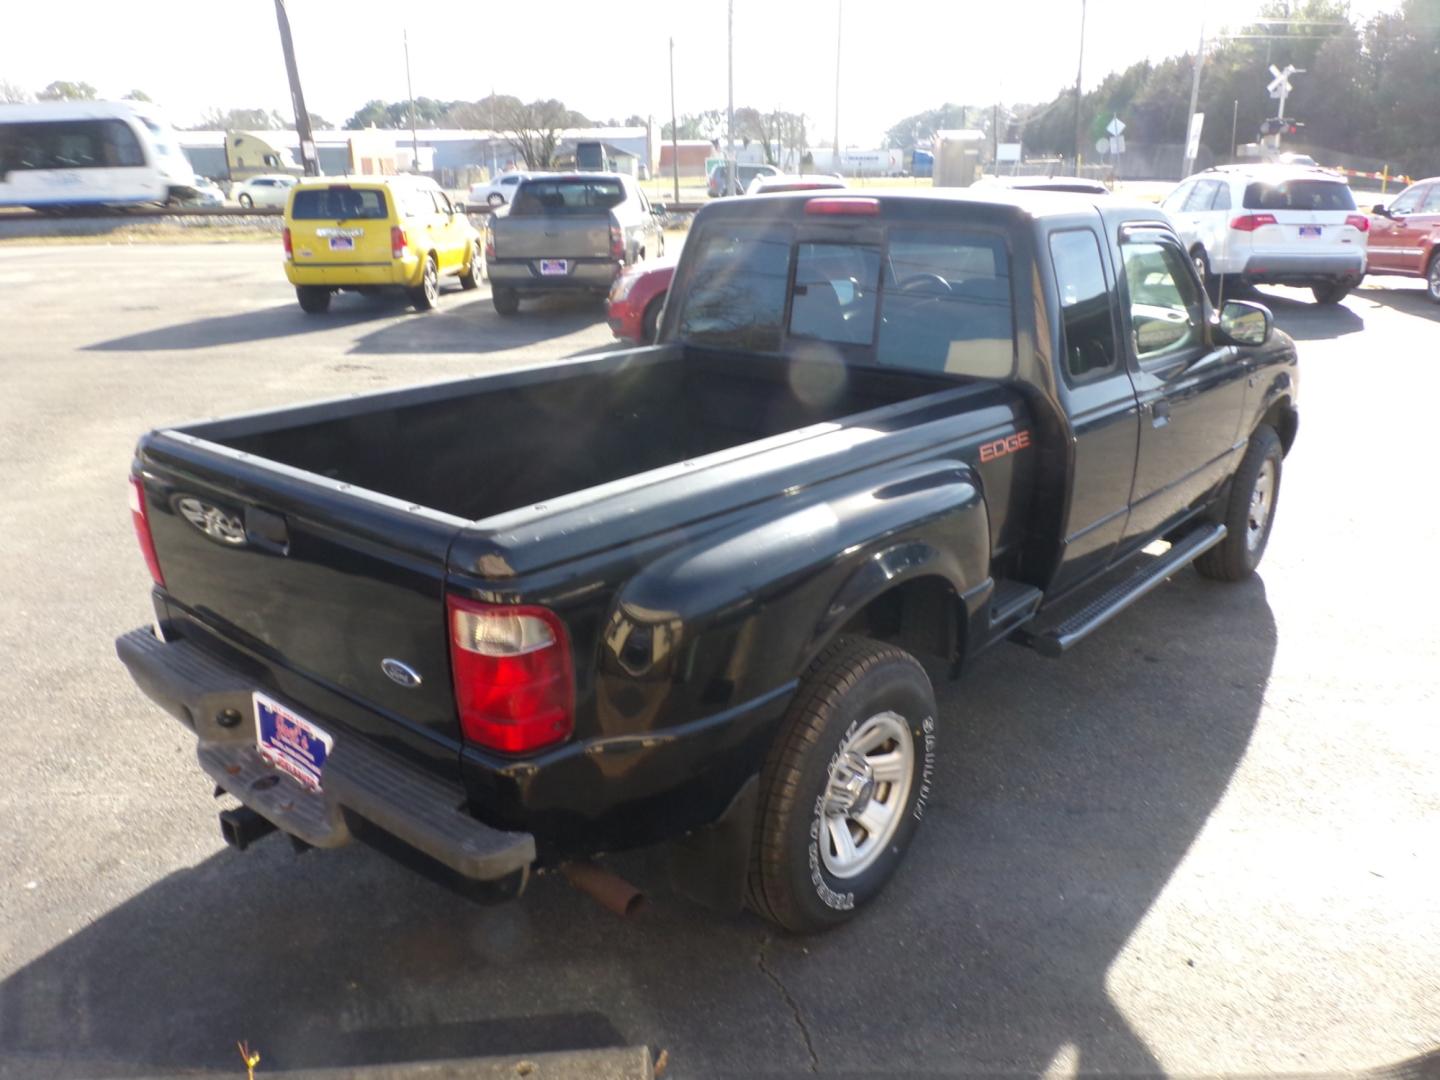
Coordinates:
column 553, row 236
column 318, row 583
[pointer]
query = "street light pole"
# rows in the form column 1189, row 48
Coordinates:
column 839, row 28
column 730, row 111
column 308, row 157
column 1079, row 71
column 410, row 92
column 674, row 126
column 1194, row 100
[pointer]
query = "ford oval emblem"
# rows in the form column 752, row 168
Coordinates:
column 400, row 672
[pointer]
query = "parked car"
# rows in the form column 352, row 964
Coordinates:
column 1405, row 235
column 715, row 184
column 264, row 190
column 1076, row 184
column 637, row 299
column 569, row 232
column 678, row 593
column 499, row 191
column 368, row 233
column 773, row 183
column 1272, row 225
column 206, row 193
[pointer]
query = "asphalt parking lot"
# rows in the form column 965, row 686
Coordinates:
column 1207, row 841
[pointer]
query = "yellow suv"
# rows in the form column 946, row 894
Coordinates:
column 367, row 233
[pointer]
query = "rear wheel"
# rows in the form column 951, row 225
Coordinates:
column 495, row 199
column 427, row 294
column 470, row 276
column 844, row 786
column 650, row 328
column 245, row 200
column 1331, row 292
column 313, row 299
column 1432, row 278
column 506, row 301
column 1249, row 511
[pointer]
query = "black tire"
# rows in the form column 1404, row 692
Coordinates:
column 650, row 325
column 1332, row 292
column 245, row 201
column 313, row 299
column 1236, row 557
column 506, row 301
column 1210, row 282
column 427, row 294
column 853, row 685
column 495, row 199
column 1432, row 278
column 470, row 276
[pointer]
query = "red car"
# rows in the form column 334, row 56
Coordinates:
column 1405, row 236
column 636, row 300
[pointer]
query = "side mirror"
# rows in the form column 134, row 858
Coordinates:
column 1244, row 323
column 1380, row 209
column 459, row 207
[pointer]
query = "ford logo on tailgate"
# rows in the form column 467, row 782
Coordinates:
column 400, row 672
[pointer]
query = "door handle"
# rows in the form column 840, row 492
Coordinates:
column 1159, row 414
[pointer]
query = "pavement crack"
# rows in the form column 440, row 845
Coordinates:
column 763, row 965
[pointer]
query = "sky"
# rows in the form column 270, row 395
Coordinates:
column 897, row 57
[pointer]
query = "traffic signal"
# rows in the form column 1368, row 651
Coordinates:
column 1280, row 125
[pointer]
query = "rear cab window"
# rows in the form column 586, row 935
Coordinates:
column 567, row 197
column 1299, row 195
column 339, row 203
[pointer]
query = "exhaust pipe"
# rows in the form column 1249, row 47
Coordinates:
column 609, row 890
column 242, row 826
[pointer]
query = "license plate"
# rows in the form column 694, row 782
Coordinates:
column 1310, row 230
column 341, row 243
column 291, row 743
column 554, row 267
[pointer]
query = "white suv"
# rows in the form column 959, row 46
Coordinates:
column 1272, row 225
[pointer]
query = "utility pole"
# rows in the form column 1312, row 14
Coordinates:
column 730, row 110
column 1234, row 128
column 674, row 126
column 1079, row 71
column 1194, row 100
column 995, row 137
column 309, row 159
column 839, row 28
column 414, row 138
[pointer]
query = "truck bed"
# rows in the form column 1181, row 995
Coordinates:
column 499, row 447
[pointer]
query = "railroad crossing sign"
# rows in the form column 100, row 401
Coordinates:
column 1279, row 86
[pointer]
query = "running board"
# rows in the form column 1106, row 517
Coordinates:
column 1056, row 639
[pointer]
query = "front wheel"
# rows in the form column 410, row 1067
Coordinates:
column 844, row 786
column 245, row 201
column 313, row 299
column 427, row 295
column 650, row 330
column 1249, row 511
column 1432, row 278
column 1332, row 292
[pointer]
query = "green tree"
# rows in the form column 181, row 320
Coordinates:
column 919, row 128
column 139, row 95
column 68, row 91
column 216, row 119
column 11, row 94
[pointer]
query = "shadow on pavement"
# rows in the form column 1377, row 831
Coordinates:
column 1068, row 792
column 462, row 323
column 1411, row 301
column 1305, row 320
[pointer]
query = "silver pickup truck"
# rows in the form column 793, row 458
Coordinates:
column 569, row 232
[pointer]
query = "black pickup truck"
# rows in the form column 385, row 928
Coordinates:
column 682, row 593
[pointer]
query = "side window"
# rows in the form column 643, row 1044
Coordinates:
column 1166, row 311
column 1431, row 205
column 1222, row 196
column 442, row 202
column 1084, row 303
column 1176, row 199
column 1408, row 201
column 835, row 292
column 1201, row 196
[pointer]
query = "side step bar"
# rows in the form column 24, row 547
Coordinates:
column 1054, row 640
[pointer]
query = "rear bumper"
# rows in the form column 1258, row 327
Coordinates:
column 523, row 275
column 367, row 793
column 1283, row 267
column 402, row 272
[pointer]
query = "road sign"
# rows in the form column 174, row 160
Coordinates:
column 1102, row 144
column 1192, row 141
column 1116, row 126
column 1110, row 144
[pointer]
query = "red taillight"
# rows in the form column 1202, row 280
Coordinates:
column 140, row 517
column 489, row 244
column 1358, row 221
column 514, row 686
column 398, row 242
column 1251, row 222
column 289, row 244
column 846, row 206
column 617, row 243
